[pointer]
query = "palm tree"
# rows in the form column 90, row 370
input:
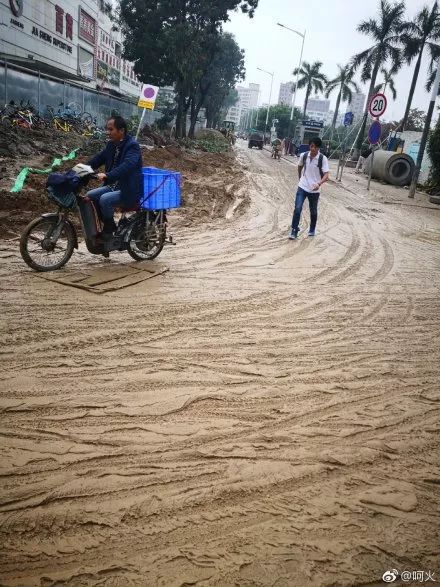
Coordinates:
column 311, row 79
column 432, row 71
column 388, row 80
column 345, row 85
column 421, row 33
column 386, row 33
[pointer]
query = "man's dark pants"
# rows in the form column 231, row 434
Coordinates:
column 301, row 196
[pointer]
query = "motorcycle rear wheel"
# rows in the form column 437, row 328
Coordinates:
column 36, row 249
column 146, row 240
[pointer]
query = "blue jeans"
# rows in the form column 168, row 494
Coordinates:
column 301, row 196
column 107, row 199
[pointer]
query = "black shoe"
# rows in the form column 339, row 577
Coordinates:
column 108, row 229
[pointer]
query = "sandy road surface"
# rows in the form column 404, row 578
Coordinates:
column 266, row 413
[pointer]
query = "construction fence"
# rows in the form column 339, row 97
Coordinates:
column 20, row 83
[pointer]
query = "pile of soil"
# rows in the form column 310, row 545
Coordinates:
column 210, row 183
column 20, row 143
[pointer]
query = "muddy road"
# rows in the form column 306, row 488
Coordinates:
column 264, row 413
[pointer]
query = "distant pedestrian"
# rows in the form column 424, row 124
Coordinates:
column 313, row 171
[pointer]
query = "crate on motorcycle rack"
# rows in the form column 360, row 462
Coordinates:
column 161, row 189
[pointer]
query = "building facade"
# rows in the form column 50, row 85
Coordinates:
column 357, row 106
column 317, row 109
column 68, row 39
column 285, row 95
column 247, row 101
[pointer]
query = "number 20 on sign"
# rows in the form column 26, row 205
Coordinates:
column 378, row 105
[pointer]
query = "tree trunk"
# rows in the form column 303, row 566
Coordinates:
column 413, row 87
column 309, row 89
column 335, row 116
column 360, row 139
column 194, row 113
column 186, row 105
column 179, row 115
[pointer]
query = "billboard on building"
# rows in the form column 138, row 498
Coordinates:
column 86, row 27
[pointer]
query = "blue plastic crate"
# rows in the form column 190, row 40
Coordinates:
column 161, row 189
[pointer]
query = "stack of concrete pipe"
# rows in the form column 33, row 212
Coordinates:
column 390, row 167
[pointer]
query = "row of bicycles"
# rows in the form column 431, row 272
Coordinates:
column 68, row 118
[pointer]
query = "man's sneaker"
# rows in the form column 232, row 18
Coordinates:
column 293, row 235
column 311, row 233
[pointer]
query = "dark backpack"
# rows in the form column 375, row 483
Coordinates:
column 62, row 187
column 320, row 160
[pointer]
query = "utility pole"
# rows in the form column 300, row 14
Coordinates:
column 270, row 97
column 303, row 36
column 424, row 139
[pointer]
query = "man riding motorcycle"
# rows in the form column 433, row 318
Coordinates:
column 123, row 183
column 276, row 148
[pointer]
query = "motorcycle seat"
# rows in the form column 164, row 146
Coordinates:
column 123, row 209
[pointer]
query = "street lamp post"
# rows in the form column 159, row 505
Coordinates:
column 270, row 96
column 303, row 36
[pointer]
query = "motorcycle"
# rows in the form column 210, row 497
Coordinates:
column 47, row 243
column 276, row 152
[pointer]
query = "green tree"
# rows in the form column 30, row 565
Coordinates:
column 388, row 82
column 434, row 154
column 432, row 71
column 422, row 32
column 310, row 78
column 217, row 105
column 282, row 114
column 415, row 120
column 385, row 31
column 345, row 86
column 173, row 42
column 225, row 69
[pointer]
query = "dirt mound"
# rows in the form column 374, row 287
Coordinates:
column 211, row 134
column 18, row 142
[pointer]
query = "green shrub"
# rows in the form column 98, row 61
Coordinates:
column 434, row 154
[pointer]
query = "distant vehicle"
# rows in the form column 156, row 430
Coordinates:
column 256, row 139
column 228, row 130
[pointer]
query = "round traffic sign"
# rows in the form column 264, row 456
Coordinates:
column 378, row 105
column 374, row 132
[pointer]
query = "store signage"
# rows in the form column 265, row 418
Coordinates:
column 312, row 123
column 17, row 23
column 108, row 74
column 16, row 7
column 87, row 27
column 50, row 39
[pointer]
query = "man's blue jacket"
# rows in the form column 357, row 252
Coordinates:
column 127, row 171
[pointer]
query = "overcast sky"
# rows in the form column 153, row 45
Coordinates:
column 331, row 37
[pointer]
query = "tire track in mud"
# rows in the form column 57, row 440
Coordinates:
column 261, row 400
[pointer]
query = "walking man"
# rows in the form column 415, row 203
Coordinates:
column 313, row 171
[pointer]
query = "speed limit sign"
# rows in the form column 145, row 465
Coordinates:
column 378, row 105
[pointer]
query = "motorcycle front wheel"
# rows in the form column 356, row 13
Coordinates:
column 146, row 240
column 39, row 251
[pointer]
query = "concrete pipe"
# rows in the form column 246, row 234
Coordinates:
column 393, row 168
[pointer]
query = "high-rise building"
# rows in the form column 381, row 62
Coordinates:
column 357, row 106
column 317, row 109
column 247, row 101
column 286, row 94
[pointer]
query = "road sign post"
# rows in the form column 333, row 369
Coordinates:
column 348, row 118
column 147, row 100
column 374, row 134
column 378, row 105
